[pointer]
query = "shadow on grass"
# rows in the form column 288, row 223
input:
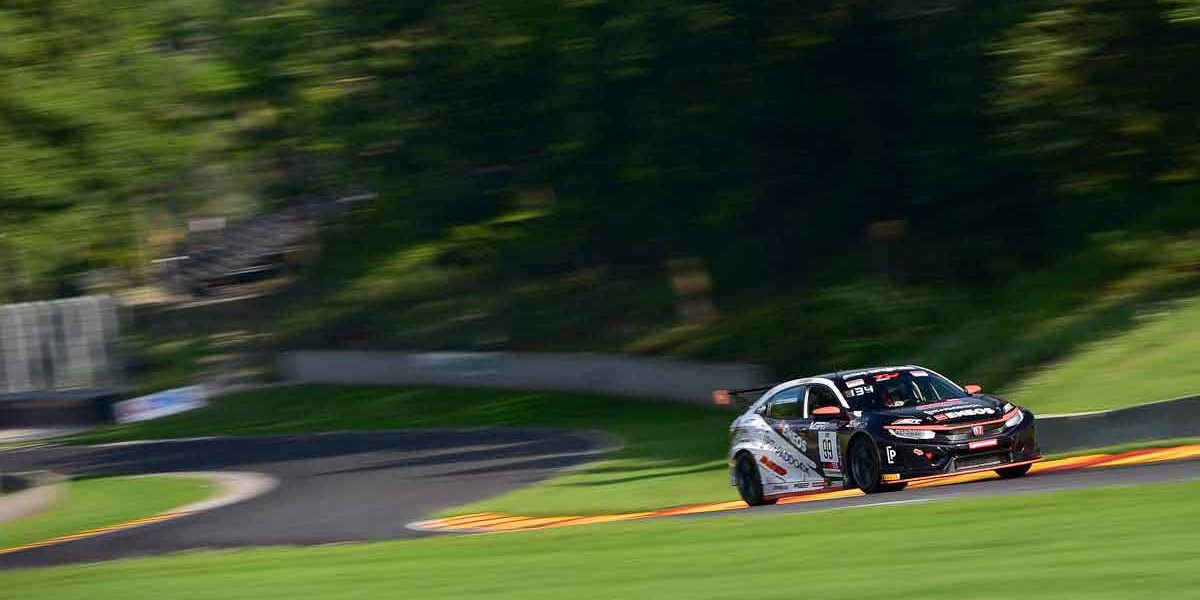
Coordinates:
column 701, row 468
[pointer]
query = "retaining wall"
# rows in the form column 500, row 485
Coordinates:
column 663, row 378
column 1179, row 417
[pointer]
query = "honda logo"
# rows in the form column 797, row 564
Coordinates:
column 977, row 430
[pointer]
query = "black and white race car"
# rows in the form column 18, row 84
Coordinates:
column 874, row 429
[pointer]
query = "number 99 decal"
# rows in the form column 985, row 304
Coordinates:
column 828, row 445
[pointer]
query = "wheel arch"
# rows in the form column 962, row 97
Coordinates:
column 856, row 437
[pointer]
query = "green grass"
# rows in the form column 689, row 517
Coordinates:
column 1158, row 358
column 91, row 503
column 1095, row 544
column 673, row 454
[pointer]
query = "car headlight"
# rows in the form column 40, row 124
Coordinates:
column 913, row 434
column 1016, row 419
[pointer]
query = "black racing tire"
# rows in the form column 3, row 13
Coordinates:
column 749, row 484
column 1013, row 472
column 864, row 468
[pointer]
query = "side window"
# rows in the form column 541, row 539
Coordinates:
column 786, row 405
column 818, row 396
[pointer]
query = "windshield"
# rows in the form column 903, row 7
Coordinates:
column 899, row 388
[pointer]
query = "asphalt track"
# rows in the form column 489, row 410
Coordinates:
column 332, row 487
column 373, row 486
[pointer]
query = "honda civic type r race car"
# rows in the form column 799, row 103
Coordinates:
column 874, row 429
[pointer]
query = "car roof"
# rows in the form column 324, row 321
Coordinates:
column 839, row 375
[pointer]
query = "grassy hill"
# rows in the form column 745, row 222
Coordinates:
column 1155, row 359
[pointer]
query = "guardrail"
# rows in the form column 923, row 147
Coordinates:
column 662, row 378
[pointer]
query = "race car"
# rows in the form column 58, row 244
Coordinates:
column 874, row 429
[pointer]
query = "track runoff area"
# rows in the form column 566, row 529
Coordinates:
column 487, row 522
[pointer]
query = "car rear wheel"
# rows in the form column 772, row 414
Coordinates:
column 749, row 484
column 864, row 468
column 1013, row 472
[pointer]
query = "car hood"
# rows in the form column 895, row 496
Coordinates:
column 947, row 412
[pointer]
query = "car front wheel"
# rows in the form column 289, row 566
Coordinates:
column 864, row 468
column 749, row 484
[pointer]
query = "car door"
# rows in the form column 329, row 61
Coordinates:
column 821, row 435
column 786, row 447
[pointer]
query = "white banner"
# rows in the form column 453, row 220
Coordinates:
column 160, row 404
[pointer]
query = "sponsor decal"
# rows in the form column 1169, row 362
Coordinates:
column 783, row 454
column 982, row 444
column 860, row 391
column 977, row 430
column 906, row 422
column 941, row 404
column 970, row 412
column 774, row 466
column 940, row 417
column 918, row 373
column 819, row 425
column 854, row 382
column 891, row 455
column 918, row 452
column 795, row 437
column 886, row 376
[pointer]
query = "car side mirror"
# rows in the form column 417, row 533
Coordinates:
column 826, row 413
column 972, row 389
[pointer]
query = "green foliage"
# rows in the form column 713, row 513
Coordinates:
column 93, row 503
column 103, row 108
column 875, row 167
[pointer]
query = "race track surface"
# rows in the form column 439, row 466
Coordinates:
column 1135, row 466
column 371, row 486
column 332, row 487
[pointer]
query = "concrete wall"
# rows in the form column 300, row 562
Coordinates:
column 1157, row 420
column 670, row 379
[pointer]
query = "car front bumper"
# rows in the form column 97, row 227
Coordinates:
column 903, row 460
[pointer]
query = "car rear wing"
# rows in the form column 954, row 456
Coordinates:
column 738, row 397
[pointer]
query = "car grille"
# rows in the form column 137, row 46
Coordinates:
column 963, row 434
column 983, row 460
